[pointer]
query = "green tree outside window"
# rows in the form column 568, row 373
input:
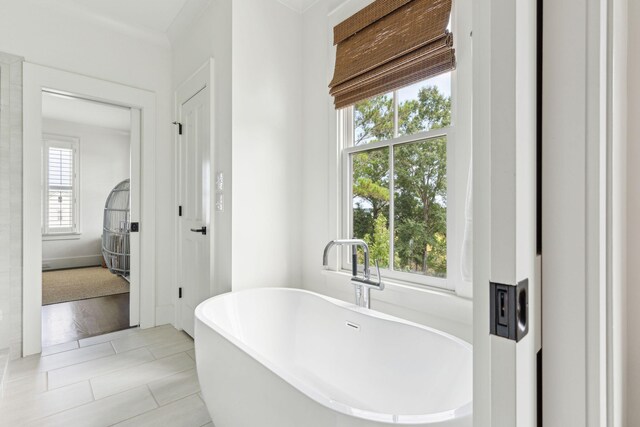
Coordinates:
column 419, row 172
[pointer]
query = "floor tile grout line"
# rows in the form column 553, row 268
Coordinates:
column 182, row 398
column 32, row 375
column 153, row 395
column 151, row 410
column 77, row 363
column 141, row 413
column 60, row 352
column 133, row 331
column 38, row 371
column 155, row 379
column 147, row 344
column 93, row 394
column 172, row 401
column 103, row 373
column 147, row 384
column 32, row 420
column 98, row 400
column 93, row 401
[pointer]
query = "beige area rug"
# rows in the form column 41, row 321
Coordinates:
column 80, row 283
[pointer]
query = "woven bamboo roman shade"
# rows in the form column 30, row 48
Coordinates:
column 390, row 44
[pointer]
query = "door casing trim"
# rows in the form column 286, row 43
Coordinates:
column 36, row 78
column 201, row 78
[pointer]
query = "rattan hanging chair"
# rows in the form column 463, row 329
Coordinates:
column 116, row 229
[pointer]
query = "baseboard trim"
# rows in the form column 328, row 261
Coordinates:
column 71, row 262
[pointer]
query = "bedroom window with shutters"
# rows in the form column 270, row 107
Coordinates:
column 60, row 186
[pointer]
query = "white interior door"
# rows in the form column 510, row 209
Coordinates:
column 134, row 238
column 506, row 314
column 194, row 233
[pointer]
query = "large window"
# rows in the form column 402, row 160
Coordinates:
column 60, row 189
column 395, row 179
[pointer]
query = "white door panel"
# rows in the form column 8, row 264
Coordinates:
column 504, row 177
column 134, row 249
column 194, row 178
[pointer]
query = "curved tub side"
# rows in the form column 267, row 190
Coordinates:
column 240, row 391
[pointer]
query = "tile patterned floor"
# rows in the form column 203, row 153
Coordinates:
column 127, row 378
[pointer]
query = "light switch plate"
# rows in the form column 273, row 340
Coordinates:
column 219, row 181
column 219, row 202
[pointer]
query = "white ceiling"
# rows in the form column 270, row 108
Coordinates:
column 90, row 113
column 154, row 15
column 155, row 20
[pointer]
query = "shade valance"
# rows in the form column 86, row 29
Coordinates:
column 390, row 44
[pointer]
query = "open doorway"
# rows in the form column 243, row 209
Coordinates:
column 86, row 221
column 142, row 108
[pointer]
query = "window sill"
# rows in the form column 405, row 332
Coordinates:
column 61, row 236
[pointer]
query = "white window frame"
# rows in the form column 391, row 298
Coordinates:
column 346, row 132
column 67, row 142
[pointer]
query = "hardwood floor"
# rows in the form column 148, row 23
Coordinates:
column 75, row 320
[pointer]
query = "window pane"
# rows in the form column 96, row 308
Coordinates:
column 60, row 193
column 60, row 166
column 420, row 207
column 60, row 209
column 425, row 105
column 373, row 119
column 370, row 188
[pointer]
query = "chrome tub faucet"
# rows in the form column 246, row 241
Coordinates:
column 362, row 285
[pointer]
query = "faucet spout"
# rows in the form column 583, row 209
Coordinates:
column 354, row 243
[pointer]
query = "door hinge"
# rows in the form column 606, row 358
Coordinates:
column 179, row 127
column 179, row 210
column 179, row 292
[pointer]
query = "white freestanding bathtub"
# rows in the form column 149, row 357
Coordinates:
column 293, row 358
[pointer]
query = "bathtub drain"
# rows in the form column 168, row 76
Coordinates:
column 353, row 325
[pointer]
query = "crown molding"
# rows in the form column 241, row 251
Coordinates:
column 299, row 6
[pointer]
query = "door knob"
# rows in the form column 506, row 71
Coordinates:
column 202, row 230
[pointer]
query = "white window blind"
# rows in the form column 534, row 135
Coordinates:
column 60, row 189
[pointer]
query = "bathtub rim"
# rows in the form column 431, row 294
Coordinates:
column 316, row 394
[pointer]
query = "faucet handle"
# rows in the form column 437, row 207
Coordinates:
column 380, row 284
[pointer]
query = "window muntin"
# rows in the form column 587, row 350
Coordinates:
column 396, row 180
column 60, row 189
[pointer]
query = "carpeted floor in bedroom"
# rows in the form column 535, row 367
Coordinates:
column 80, row 283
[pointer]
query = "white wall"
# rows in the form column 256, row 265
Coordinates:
column 319, row 161
column 11, row 206
column 257, row 97
column 267, row 96
column 104, row 162
column 580, row 246
column 633, row 215
column 283, row 144
column 65, row 39
column 618, row 141
column 210, row 37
